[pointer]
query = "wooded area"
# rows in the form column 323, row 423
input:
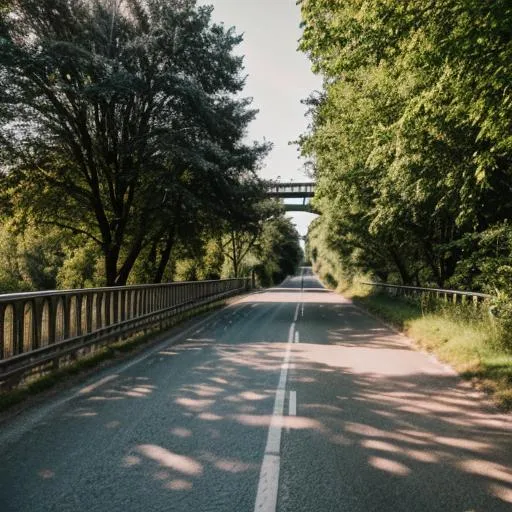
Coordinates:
column 123, row 157
column 410, row 142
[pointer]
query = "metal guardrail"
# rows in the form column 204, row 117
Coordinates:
column 454, row 296
column 39, row 329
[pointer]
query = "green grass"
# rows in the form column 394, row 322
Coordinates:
column 468, row 341
column 84, row 365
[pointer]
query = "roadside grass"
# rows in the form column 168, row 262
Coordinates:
column 466, row 339
column 101, row 356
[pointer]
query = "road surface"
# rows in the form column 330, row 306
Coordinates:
column 291, row 399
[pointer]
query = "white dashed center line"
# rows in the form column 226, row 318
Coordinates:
column 292, row 404
column 268, row 485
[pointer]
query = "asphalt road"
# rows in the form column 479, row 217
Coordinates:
column 292, row 399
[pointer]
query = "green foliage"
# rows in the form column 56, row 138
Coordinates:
column 337, row 267
column 501, row 311
column 35, row 260
column 10, row 272
column 411, row 138
column 30, row 260
column 272, row 250
column 43, row 257
column 123, row 124
column 211, row 262
column 186, row 270
column 243, row 230
column 80, row 269
column 277, row 253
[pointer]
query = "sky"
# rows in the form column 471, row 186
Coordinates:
column 279, row 77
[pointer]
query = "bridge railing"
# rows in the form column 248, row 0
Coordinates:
column 39, row 329
column 447, row 296
column 287, row 188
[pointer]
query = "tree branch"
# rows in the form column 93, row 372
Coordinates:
column 77, row 231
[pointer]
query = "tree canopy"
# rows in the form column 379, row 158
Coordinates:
column 122, row 122
column 410, row 137
column 122, row 138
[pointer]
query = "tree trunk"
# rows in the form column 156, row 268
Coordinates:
column 402, row 268
column 164, row 258
column 169, row 242
column 152, row 255
column 382, row 275
column 111, row 255
column 431, row 261
column 235, row 255
column 124, row 272
column 448, row 265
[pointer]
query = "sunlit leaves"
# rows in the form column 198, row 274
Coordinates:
column 411, row 141
column 129, row 113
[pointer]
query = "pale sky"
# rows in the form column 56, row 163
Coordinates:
column 279, row 77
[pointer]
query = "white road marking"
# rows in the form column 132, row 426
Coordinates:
column 266, row 498
column 282, row 380
column 296, row 340
column 296, row 313
column 269, row 481
column 274, row 432
column 292, row 404
column 290, row 333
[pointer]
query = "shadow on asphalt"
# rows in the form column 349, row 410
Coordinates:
column 366, row 437
column 411, row 436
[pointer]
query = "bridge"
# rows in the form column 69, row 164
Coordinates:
column 290, row 190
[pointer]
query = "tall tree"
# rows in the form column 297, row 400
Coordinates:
column 410, row 137
column 111, row 109
column 249, row 211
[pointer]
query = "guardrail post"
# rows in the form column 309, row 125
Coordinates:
column 52, row 321
column 88, row 313
column 115, row 307
column 66, row 302
column 2, row 330
column 17, row 342
column 37, row 331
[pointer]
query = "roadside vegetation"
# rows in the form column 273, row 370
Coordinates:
column 123, row 151
column 410, row 139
